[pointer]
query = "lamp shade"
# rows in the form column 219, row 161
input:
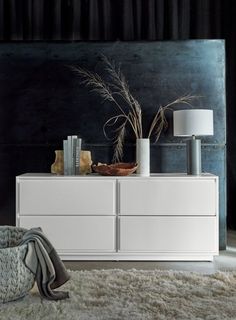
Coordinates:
column 193, row 122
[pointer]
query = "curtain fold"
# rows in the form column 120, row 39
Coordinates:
column 37, row 13
column 75, row 26
column 150, row 20
column 2, row 19
column 107, row 15
column 28, row 19
column 94, row 20
column 16, row 19
column 128, row 20
column 56, row 21
column 184, row 19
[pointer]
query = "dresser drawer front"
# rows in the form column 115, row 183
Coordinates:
column 168, row 197
column 84, row 233
column 67, row 197
column 168, row 234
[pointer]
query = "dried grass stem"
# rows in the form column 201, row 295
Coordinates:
column 131, row 111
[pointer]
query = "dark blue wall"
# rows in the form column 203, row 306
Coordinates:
column 41, row 102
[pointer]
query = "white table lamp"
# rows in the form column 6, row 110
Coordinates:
column 192, row 123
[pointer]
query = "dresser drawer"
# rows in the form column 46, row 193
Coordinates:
column 168, row 234
column 67, row 197
column 168, row 197
column 75, row 233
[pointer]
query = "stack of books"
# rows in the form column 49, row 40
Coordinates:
column 71, row 149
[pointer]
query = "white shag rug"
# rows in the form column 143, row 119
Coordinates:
column 133, row 295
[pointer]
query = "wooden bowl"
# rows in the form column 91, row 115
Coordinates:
column 117, row 169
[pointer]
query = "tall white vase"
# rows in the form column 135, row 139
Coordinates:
column 143, row 157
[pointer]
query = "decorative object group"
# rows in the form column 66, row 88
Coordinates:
column 72, row 160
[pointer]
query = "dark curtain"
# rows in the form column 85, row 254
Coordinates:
column 134, row 20
column 115, row 19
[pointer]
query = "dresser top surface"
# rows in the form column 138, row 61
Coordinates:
column 97, row 176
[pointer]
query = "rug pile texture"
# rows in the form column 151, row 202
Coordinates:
column 133, row 295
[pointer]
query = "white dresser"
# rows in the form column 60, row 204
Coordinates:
column 161, row 217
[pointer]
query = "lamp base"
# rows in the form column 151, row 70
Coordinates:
column 194, row 166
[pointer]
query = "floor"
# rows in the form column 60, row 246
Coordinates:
column 225, row 261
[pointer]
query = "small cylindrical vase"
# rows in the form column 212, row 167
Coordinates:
column 143, row 157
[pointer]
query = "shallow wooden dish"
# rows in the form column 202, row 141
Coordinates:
column 117, row 169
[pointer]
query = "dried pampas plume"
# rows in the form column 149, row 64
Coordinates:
column 117, row 91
